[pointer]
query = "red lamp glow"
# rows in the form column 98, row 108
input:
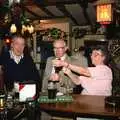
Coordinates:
column 7, row 41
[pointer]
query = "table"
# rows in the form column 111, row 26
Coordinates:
column 82, row 106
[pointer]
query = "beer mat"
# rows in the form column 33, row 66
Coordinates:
column 64, row 98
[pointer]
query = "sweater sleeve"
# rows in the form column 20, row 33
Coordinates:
column 33, row 72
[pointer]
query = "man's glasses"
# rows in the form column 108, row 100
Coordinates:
column 59, row 48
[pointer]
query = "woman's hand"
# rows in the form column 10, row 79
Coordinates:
column 55, row 77
column 73, row 77
column 67, row 71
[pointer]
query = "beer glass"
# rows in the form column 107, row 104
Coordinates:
column 52, row 89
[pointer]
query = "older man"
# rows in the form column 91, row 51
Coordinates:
column 17, row 65
column 65, row 85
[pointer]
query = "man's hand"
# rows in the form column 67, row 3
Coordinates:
column 59, row 63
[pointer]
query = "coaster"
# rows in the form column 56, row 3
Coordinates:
column 45, row 99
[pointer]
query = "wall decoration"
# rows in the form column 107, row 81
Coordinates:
column 55, row 33
column 51, row 34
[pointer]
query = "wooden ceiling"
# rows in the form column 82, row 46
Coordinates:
column 79, row 12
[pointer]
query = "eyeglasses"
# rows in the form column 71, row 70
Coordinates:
column 95, row 54
column 59, row 48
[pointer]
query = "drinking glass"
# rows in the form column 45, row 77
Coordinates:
column 52, row 90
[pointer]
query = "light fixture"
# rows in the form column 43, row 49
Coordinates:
column 13, row 1
column 104, row 11
column 20, row 23
column 24, row 28
column 13, row 28
column 27, row 28
column 31, row 29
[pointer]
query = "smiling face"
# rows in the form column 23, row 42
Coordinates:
column 59, row 48
column 97, row 57
column 18, row 45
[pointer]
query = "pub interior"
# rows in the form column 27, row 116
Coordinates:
column 83, row 25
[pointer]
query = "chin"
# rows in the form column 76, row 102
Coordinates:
column 19, row 54
column 58, row 56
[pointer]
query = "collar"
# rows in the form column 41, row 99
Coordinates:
column 15, row 57
column 63, row 57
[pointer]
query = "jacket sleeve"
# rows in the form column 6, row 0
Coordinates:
column 46, row 75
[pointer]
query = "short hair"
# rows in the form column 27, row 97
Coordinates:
column 65, row 42
column 17, row 36
column 104, row 51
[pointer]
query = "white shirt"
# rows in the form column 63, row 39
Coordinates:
column 15, row 57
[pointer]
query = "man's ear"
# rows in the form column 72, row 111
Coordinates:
column 66, row 48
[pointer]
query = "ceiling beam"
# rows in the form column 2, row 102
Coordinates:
column 59, row 2
column 47, row 18
column 67, row 14
column 45, row 10
column 31, row 3
column 84, row 6
column 30, row 11
column 41, row 17
column 28, row 2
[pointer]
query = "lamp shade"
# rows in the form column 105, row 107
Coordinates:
column 13, row 28
column 13, row 1
column 104, row 13
column 31, row 29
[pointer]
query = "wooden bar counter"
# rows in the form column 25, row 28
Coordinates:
column 82, row 106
